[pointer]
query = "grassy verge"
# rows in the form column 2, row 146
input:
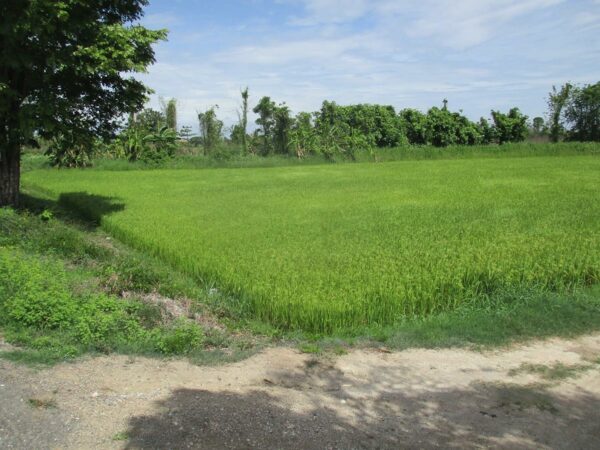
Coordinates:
column 503, row 319
column 67, row 289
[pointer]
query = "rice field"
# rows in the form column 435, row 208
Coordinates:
column 335, row 247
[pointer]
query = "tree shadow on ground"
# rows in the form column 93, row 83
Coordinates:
column 87, row 209
column 323, row 409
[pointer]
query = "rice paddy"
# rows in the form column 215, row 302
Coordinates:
column 335, row 247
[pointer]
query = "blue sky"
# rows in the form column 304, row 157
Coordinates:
column 479, row 54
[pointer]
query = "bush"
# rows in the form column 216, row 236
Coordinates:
column 104, row 323
column 29, row 297
column 181, row 337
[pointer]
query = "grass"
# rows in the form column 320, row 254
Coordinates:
column 42, row 403
column 310, row 348
column 555, row 372
column 121, row 436
column 231, row 156
column 503, row 319
column 339, row 248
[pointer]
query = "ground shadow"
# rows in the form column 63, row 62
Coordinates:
column 87, row 209
column 322, row 409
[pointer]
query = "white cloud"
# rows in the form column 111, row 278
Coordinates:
column 459, row 24
column 332, row 11
column 311, row 49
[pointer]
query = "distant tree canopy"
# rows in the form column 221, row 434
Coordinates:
column 148, row 120
column 557, row 99
column 337, row 129
column 511, row 127
column 211, row 129
column 63, row 74
column 582, row 113
column 538, row 126
column 170, row 113
column 574, row 112
column 347, row 129
column 186, row 133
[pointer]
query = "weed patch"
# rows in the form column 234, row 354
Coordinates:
column 557, row 371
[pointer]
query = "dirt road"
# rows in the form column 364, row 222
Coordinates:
column 542, row 395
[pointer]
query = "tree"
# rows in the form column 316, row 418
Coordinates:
column 443, row 128
column 582, row 113
column 160, row 145
column 148, row 120
column 186, row 133
column 282, row 128
column 266, row 120
column 63, row 73
column 414, row 123
column 211, row 129
column 487, row 132
column 243, row 122
column 237, row 135
column 511, row 127
column 303, row 138
column 557, row 99
column 171, row 114
column 538, row 126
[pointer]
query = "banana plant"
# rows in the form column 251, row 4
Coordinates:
column 163, row 142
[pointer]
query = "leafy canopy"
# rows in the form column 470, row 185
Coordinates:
column 65, row 67
column 582, row 113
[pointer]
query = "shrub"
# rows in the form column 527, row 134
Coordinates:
column 28, row 296
column 180, row 337
column 103, row 322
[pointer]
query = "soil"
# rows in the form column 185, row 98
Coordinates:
column 282, row 398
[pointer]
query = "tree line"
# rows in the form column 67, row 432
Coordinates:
column 342, row 130
column 331, row 131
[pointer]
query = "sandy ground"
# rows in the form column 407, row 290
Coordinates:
column 281, row 398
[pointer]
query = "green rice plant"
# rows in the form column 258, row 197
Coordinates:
column 336, row 247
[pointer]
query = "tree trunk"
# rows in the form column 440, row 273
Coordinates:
column 10, row 174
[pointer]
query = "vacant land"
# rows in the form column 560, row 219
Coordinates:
column 327, row 248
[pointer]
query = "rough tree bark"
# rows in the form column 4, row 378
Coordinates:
column 10, row 157
column 10, row 174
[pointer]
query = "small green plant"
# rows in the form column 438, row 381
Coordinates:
column 310, row 348
column 42, row 403
column 339, row 350
column 557, row 371
column 121, row 436
column 29, row 297
column 46, row 215
column 181, row 337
